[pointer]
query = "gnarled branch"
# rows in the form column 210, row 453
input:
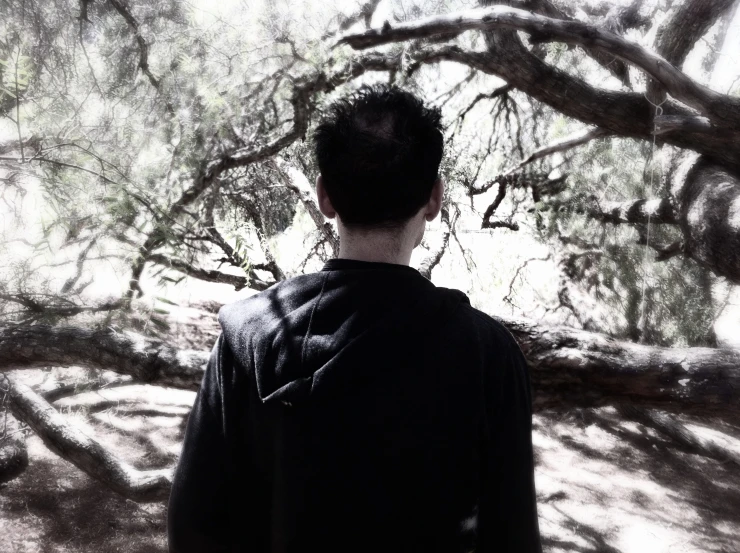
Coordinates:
column 84, row 452
column 211, row 275
column 435, row 255
column 298, row 183
column 569, row 366
column 145, row 359
column 677, row 36
column 576, row 367
column 725, row 110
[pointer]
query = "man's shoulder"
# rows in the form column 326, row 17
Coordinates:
column 481, row 324
column 284, row 294
column 263, row 313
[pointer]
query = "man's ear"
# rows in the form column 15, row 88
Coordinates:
column 434, row 205
column 323, row 198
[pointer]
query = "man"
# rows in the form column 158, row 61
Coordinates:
column 362, row 408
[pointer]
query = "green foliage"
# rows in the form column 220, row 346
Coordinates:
column 667, row 303
column 120, row 141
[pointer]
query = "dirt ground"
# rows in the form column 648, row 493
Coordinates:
column 604, row 485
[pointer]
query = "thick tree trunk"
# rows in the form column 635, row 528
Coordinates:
column 578, row 368
column 569, row 367
column 84, row 452
column 678, row 35
column 144, row 359
column 710, row 218
column 690, row 21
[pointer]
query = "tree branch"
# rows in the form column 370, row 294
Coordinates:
column 563, row 145
column 658, row 211
column 672, row 124
column 298, row 183
column 122, row 9
column 723, row 109
column 145, row 359
column 365, row 13
column 207, row 176
column 435, row 255
column 84, row 452
column 13, row 448
column 568, row 143
column 208, row 275
column 576, row 367
column 569, row 366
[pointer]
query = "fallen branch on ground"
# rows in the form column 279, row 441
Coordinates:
column 84, row 452
column 569, row 366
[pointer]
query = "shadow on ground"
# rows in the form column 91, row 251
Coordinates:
column 610, row 485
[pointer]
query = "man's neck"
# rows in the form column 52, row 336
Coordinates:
column 374, row 247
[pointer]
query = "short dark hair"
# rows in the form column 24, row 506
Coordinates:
column 379, row 151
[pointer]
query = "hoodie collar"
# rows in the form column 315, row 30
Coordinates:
column 337, row 264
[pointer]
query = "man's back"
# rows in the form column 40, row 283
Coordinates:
column 358, row 409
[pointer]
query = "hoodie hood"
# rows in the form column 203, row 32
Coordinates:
column 316, row 334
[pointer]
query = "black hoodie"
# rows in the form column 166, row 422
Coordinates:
column 358, row 409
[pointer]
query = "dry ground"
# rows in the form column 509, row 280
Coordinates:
column 604, row 485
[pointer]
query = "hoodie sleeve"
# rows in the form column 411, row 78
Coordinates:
column 198, row 517
column 508, row 512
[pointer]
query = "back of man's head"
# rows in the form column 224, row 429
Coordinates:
column 379, row 152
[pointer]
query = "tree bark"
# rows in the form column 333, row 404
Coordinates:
column 435, row 254
column 579, row 368
column 145, row 359
column 13, row 449
column 569, row 366
column 677, row 36
column 84, row 452
column 623, row 113
column 710, row 218
column 660, row 211
column 723, row 109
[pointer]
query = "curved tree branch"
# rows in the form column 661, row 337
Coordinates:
column 298, row 183
column 123, row 10
column 568, row 143
column 84, row 452
column 725, row 110
column 677, row 36
column 435, row 255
